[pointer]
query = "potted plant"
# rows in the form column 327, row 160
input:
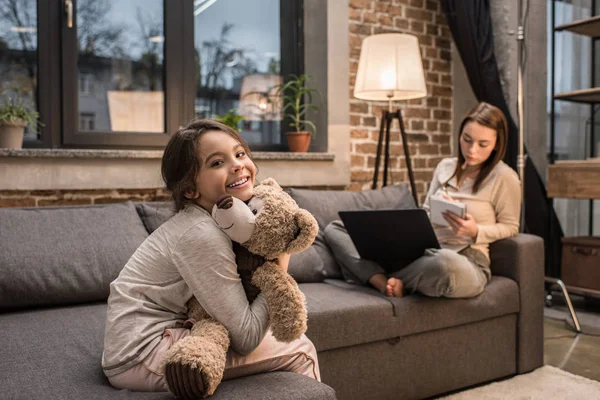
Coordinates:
column 231, row 119
column 297, row 100
column 14, row 117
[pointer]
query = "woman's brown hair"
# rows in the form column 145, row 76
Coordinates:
column 181, row 160
column 489, row 116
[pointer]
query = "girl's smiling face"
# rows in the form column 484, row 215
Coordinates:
column 225, row 168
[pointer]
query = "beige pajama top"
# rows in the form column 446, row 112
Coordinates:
column 189, row 255
column 496, row 207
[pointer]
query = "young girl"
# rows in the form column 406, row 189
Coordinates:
column 492, row 192
column 190, row 256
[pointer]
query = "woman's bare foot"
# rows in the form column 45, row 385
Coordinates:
column 379, row 282
column 394, row 288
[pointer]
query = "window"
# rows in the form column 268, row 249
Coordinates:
column 86, row 84
column 127, row 73
column 242, row 51
column 18, row 53
column 116, row 51
column 87, row 121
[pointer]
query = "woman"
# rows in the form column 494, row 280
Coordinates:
column 492, row 193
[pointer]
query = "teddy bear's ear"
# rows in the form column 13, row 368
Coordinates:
column 308, row 231
column 271, row 182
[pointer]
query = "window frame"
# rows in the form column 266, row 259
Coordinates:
column 57, row 90
column 47, row 97
column 72, row 136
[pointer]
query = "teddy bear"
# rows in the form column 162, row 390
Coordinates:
column 269, row 225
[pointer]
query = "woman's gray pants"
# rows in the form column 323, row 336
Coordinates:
column 439, row 272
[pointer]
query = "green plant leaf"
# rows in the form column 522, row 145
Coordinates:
column 231, row 118
column 312, row 126
column 15, row 108
column 297, row 100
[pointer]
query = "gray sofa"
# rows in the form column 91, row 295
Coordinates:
column 56, row 264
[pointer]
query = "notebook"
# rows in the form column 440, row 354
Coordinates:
column 438, row 205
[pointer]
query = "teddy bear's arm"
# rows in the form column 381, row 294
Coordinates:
column 287, row 304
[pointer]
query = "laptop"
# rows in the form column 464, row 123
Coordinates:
column 391, row 238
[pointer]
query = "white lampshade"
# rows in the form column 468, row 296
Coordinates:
column 390, row 68
column 259, row 100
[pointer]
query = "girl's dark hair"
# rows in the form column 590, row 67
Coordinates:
column 489, row 116
column 181, row 160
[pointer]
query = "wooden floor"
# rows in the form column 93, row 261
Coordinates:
column 563, row 348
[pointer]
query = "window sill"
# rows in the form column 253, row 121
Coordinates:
column 151, row 154
column 288, row 156
column 81, row 153
column 80, row 169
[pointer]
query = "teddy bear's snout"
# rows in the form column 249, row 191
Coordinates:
column 224, row 201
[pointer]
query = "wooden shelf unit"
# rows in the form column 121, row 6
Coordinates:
column 589, row 96
column 574, row 179
column 587, row 27
column 582, row 291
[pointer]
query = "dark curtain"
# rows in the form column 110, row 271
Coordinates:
column 471, row 27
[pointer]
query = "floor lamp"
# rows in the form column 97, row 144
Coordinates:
column 389, row 69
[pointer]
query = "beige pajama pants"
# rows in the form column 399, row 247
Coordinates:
column 299, row 356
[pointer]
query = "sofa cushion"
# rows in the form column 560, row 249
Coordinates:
column 341, row 314
column 331, row 269
column 154, row 214
column 325, row 204
column 306, row 266
column 345, row 316
column 61, row 255
column 274, row 386
column 55, row 354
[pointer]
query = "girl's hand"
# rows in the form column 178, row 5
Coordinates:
column 283, row 261
column 462, row 227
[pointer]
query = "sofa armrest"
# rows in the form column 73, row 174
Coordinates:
column 521, row 258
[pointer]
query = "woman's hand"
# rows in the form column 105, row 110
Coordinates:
column 462, row 227
column 447, row 197
column 283, row 261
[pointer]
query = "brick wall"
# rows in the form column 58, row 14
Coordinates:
column 427, row 121
column 39, row 198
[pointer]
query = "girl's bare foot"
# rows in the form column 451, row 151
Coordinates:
column 394, row 288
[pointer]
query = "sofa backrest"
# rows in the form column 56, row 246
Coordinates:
column 325, row 204
column 154, row 214
column 64, row 255
column 322, row 204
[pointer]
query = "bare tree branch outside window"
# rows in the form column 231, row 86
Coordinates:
column 18, row 49
column 221, row 61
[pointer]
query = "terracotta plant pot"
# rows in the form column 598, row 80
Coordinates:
column 11, row 133
column 298, row 141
